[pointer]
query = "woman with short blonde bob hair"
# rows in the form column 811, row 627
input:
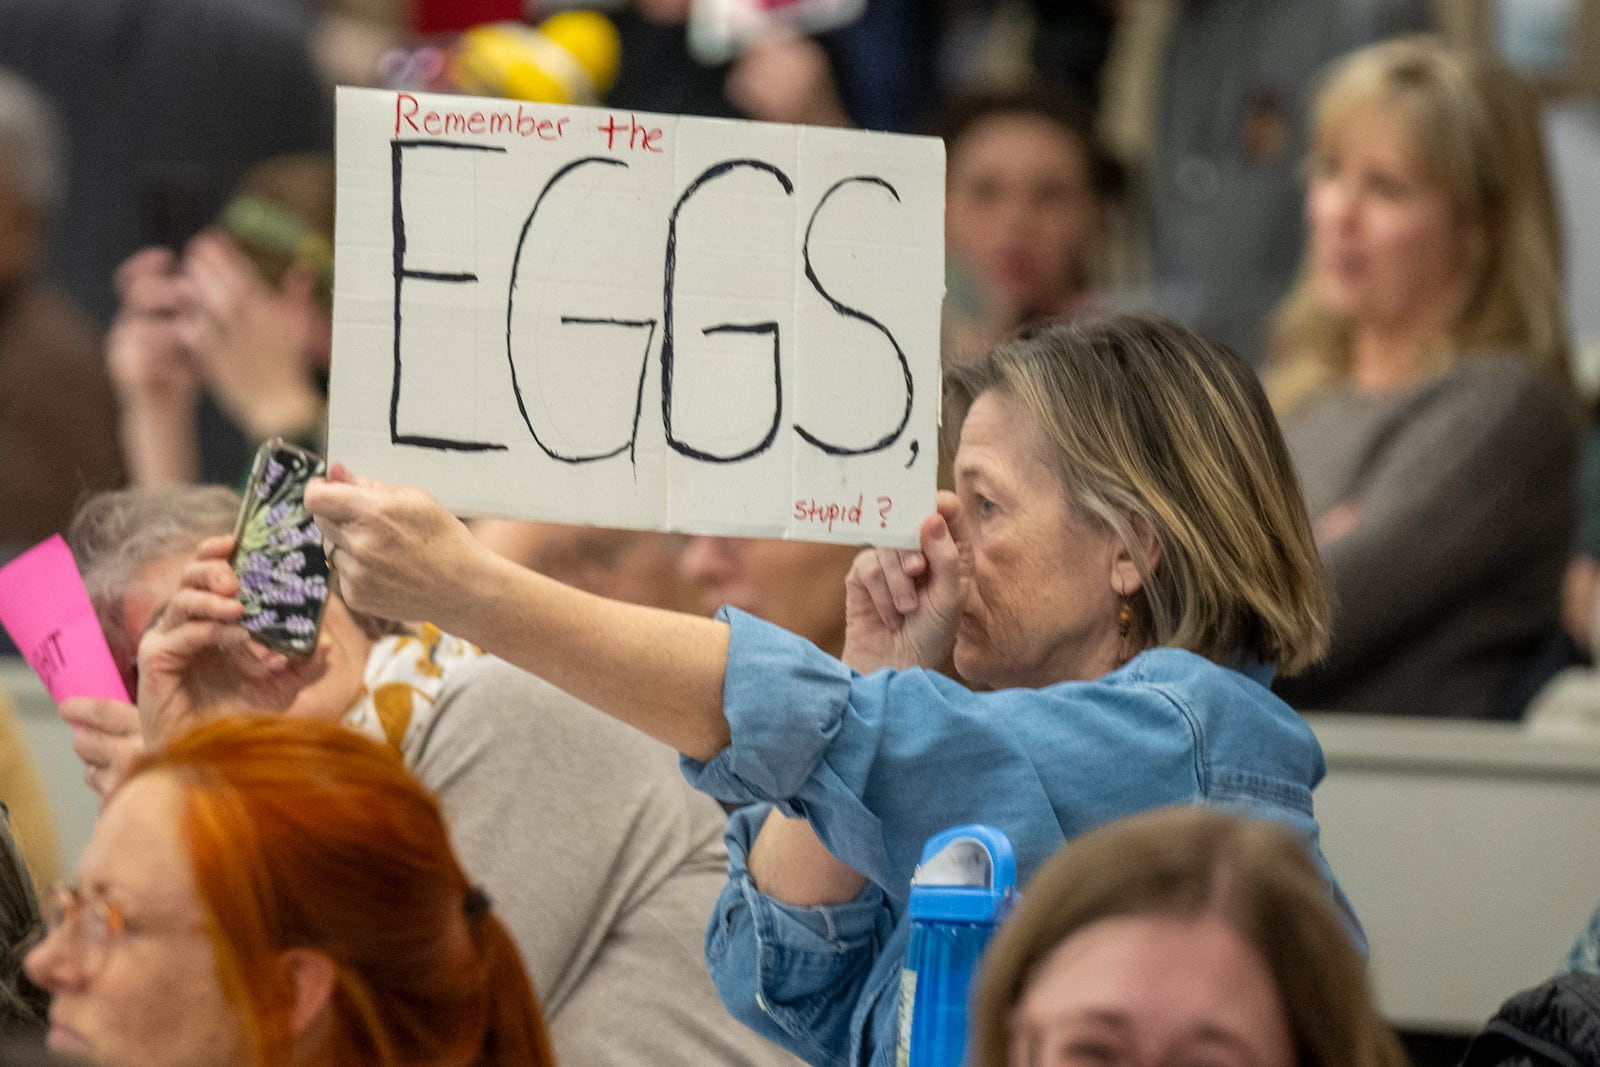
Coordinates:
column 1250, row 952
column 1219, row 536
column 1421, row 376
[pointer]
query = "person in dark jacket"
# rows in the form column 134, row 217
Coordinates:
column 22, row 1004
column 1556, row 1024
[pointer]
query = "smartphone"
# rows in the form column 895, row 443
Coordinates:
column 278, row 556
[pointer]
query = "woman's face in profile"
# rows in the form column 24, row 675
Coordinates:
column 1152, row 991
column 1386, row 246
column 1042, row 595
column 131, row 970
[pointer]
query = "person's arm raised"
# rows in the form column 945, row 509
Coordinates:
column 196, row 659
column 400, row 555
column 902, row 608
column 250, row 339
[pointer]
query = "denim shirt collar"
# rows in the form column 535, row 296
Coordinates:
column 1258, row 671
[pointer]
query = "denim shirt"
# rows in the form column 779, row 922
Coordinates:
column 879, row 763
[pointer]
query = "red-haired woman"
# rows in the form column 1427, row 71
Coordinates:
column 279, row 891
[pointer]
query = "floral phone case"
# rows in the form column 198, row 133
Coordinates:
column 278, row 556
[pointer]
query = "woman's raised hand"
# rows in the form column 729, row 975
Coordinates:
column 398, row 554
column 197, row 659
column 902, row 606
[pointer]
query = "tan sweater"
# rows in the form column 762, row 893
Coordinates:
column 601, row 860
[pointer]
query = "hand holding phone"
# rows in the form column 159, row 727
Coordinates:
column 278, row 555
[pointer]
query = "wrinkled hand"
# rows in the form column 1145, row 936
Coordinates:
column 105, row 736
column 399, row 555
column 147, row 355
column 902, row 607
column 249, row 339
column 198, row 661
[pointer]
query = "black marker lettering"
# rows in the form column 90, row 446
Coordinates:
column 668, row 353
column 849, row 312
column 402, row 272
column 649, row 325
column 770, row 328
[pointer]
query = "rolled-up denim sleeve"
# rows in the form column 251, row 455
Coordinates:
column 785, row 701
column 793, row 974
column 841, row 750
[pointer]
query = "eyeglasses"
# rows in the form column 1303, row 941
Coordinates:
column 89, row 922
column 92, row 924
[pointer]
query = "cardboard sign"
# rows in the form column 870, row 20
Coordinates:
column 621, row 319
column 46, row 610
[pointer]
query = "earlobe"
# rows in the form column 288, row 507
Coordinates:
column 311, row 975
column 1126, row 578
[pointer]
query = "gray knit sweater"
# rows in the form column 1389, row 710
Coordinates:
column 1447, row 588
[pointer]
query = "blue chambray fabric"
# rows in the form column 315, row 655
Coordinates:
column 880, row 763
column 1585, row 954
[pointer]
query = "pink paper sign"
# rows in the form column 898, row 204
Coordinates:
column 45, row 608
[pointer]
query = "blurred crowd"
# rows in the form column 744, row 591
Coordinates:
column 1383, row 207
column 169, row 254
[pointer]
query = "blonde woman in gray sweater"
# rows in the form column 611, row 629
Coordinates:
column 1422, row 382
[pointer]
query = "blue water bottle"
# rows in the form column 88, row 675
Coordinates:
column 960, row 892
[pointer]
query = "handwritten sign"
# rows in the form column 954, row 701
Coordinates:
column 46, row 610
column 623, row 319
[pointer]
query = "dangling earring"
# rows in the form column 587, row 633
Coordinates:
column 1124, row 629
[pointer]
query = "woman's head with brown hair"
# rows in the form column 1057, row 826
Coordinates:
column 1179, row 928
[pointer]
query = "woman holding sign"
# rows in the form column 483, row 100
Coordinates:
column 1125, row 562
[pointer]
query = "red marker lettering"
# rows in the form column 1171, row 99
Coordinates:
column 409, row 117
column 639, row 138
column 826, row 515
column 403, row 113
